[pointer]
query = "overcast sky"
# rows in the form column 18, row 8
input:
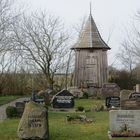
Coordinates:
column 109, row 15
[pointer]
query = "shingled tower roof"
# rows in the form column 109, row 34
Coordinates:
column 90, row 37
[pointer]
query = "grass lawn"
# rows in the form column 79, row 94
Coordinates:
column 89, row 103
column 62, row 130
column 67, row 131
column 7, row 99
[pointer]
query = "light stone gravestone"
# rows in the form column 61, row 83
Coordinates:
column 125, row 123
column 124, row 94
column 124, row 97
column 76, row 92
column 34, row 122
column 137, row 87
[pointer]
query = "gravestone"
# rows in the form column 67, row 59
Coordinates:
column 130, row 101
column 134, row 95
column 76, row 92
column 63, row 99
column 20, row 107
column 130, row 104
column 137, row 87
column 124, row 123
column 34, row 122
column 110, row 89
column 124, row 94
column 112, row 102
column 47, row 95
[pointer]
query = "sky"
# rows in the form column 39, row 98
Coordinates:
column 112, row 17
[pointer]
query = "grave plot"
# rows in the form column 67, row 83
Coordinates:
column 125, row 122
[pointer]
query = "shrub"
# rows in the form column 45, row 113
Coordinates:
column 11, row 112
column 101, row 108
column 87, row 110
column 76, row 118
column 72, row 118
column 85, row 95
column 80, row 108
column 98, row 98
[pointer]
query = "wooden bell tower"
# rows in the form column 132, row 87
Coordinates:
column 90, row 57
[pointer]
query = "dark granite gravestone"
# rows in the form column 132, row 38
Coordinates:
column 112, row 102
column 20, row 108
column 110, row 89
column 34, row 122
column 134, row 95
column 63, row 99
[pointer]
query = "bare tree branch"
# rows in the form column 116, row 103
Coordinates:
column 43, row 41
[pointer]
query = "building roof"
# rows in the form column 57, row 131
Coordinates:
column 90, row 37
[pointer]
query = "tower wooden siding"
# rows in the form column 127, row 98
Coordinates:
column 90, row 67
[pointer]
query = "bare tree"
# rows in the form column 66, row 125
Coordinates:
column 78, row 28
column 43, row 41
column 129, row 53
column 135, row 42
column 127, row 57
column 7, row 16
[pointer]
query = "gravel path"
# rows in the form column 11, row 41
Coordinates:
column 3, row 107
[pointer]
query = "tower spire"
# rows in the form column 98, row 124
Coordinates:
column 90, row 19
column 90, row 9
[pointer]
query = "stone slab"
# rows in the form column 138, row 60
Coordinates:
column 125, row 121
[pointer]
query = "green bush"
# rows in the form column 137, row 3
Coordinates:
column 11, row 112
column 80, row 108
column 74, row 117
column 101, row 108
column 85, row 95
column 87, row 110
column 98, row 98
